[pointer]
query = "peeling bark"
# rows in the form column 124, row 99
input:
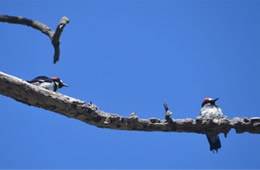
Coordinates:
column 54, row 36
column 89, row 113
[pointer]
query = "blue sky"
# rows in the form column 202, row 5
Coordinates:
column 132, row 56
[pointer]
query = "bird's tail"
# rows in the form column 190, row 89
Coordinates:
column 214, row 142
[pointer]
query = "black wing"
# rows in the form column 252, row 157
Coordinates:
column 40, row 78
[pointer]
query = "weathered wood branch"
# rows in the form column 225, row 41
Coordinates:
column 54, row 36
column 36, row 96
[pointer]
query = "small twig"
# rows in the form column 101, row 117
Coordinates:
column 54, row 36
column 168, row 113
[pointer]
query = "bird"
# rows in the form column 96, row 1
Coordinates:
column 209, row 110
column 52, row 84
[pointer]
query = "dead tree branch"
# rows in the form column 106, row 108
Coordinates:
column 36, row 96
column 89, row 113
column 54, row 36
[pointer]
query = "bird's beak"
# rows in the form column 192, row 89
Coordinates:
column 65, row 85
column 216, row 99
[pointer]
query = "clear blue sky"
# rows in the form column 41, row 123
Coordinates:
column 132, row 56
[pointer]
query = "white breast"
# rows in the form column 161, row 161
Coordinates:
column 211, row 112
column 46, row 85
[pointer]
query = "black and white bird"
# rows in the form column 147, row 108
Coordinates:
column 209, row 110
column 53, row 83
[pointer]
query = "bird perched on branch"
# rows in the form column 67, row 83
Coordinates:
column 53, row 83
column 209, row 110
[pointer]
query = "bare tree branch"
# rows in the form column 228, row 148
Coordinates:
column 89, row 113
column 54, row 36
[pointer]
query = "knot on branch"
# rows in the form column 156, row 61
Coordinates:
column 154, row 120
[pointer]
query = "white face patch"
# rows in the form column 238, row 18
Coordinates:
column 57, row 84
column 210, row 99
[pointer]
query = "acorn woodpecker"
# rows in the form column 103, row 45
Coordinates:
column 209, row 110
column 53, row 83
